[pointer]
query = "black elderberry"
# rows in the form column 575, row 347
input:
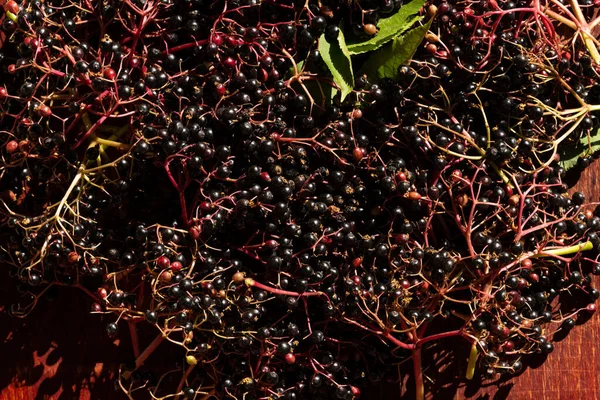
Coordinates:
column 332, row 32
column 317, row 337
column 81, row 66
column 112, row 330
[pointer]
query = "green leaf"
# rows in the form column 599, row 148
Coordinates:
column 290, row 72
column 570, row 153
column 389, row 28
column 337, row 59
column 384, row 63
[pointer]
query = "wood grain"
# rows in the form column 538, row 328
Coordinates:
column 61, row 353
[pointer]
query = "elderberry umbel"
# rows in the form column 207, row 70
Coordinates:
column 190, row 167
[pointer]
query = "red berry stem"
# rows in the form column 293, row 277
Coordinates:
column 139, row 361
column 280, row 292
column 135, row 343
column 184, row 46
column 95, row 126
column 418, row 371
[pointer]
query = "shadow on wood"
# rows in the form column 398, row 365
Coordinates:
column 58, row 351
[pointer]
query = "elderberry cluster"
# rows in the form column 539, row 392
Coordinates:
column 190, row 165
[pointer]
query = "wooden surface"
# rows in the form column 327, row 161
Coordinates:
column 46, row 357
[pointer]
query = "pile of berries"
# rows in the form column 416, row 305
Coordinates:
column 182, row 162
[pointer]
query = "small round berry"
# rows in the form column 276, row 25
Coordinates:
column 357, row 113
column 163, row 262
column 151, row 316
column 69, row 25
column 125, row 91
column 103, row 293
column 176, row 266
column 110, row 74
column 547, row 347
column 188, row 392
column 290, row 358
column 220, row 89
column 518, row 366
column 95, row 66
column 238, row 277
column 591, row 308
column 12, row 146
column 568, row 324
column 414, row 196
column 370, row 29
column 44, row 110
column 284, row 347
column 332, row 32
column 578, row 198
column 358, row 153
column 73, row 257
column 194, row 232
column 135, row 62
column 526, row 263
column 191, row 360
column 81, row 66
column 112, row 330
column 317, row 337
column 12, row 6
column 318, row 24
column 229, row 62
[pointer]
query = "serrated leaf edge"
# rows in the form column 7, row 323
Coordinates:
column 372, row 68
column 378, row 41
column 357, row 48
column 345, row 89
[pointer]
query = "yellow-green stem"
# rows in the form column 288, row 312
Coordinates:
column 68, row 192
column 588, row 40
column 472, row 361
column 561, row 19
column 591, row 46
column 11, row 16
column 563, row 251
column 111, row 143
column 85, row 118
